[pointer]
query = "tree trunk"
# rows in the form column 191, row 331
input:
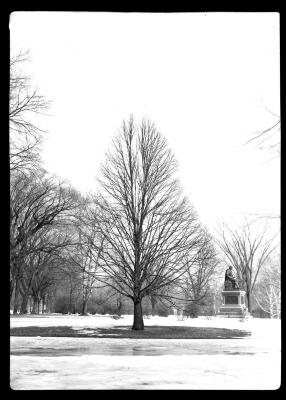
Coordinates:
column 249, row 305
column 138, row 323
column 24, row 305
column 70, row 309
column 16, row 297
column 153, row 304
column 12, row 285
column 119, row 306
column 43, row 304
column 35, row 309
column 15, row 309
column 30, row 302
column 84, row 307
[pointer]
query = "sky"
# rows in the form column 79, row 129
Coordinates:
column 208, row 81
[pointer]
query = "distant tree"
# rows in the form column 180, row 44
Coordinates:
column 68, row 287
column 268, row 289
column 39, row 264
column 197, row 281
column 85, row 257
column 37, row 203
column 147, row 226
column 45, row 276
column 247, row 251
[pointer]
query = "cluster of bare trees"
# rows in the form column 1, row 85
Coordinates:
column 138, row 237
column 39, row 214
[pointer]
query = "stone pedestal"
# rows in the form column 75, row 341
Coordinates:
column 234, row 304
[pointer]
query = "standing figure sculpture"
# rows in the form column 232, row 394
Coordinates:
column 229, row 280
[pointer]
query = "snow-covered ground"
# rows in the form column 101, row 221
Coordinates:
column 94, row 363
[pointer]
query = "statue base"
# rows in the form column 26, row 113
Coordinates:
column 233, row 305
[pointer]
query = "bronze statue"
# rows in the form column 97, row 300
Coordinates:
column 229, row 280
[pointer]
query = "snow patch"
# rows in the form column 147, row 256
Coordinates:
column 252, row 362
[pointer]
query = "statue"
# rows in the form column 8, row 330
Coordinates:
column 229, row 280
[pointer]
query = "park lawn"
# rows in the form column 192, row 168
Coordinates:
column 45, row 357
column 125, row 332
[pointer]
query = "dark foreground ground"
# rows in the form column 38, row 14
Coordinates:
column 123, row 332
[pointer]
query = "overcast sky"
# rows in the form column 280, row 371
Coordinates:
column 208, row 82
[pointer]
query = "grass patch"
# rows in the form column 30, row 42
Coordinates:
column 120, row 332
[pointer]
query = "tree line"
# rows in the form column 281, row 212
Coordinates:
column 138, row 237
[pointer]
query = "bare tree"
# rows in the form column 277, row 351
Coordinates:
column 42, row 259
column 198, row 278
column 247, row 251
column 85, row 257
column 25, row 103
column 268, row 138
column 37, row 202
column 69, row 282
column 45, row 278
column 268, row 289
column 147, row 226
